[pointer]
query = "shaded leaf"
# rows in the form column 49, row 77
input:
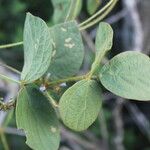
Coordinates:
column 37, row 48
column 36, row 116
column 104, row 41
column 61, row 10
column 104, row 38
column 79, row 106
column 128, row 75
column 92, row 6
column 69, row 51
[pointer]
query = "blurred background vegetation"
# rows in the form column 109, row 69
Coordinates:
column 122, row 124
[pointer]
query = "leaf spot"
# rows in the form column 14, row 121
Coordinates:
column 35, row 46
column 54, row 53
column 68, row 40
column 53, row 43
column 42, row 88
column 63, row 29
column 53, row 129
column 71, row 45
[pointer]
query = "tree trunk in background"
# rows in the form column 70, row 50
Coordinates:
column 144, row 10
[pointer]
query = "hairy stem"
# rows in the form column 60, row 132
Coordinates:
column 10, row 68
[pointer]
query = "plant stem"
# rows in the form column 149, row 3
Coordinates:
column 100, row 17
column 96, row 14
column 10, row 68
column 52, row 101
column 73, row 10
column 67, row 80
column 11, row 45
column 8, row 79
column 4, row 141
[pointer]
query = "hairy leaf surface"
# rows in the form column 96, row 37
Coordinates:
column 128, row 75
column 79, row 106
column 69, row 51
column 37, row 118
column 37, row 48
column 104, row 38
column 104, row 41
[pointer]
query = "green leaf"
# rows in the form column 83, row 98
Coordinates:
column 69, row 51
column 79, row 106
column 61, row 10
column 37, row 48
column 104, row 41
column 128, row 75
column 92, row 6
column 104, row 38
column 36, row 116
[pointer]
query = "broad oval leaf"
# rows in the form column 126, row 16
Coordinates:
column 37, row 118
column 69, row 51
column 92, row 6
column 128, row 75
column 79, row 106
column 37, row 48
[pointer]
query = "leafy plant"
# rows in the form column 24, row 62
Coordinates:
column 53, row 56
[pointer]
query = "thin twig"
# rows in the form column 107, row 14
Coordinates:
column 9, row 79
column 100, row 17
column 103, row 129
column 97, row 14
column 10, row 68
column 118, row 123
column 131, row 6
column 11, row 45
column 139, row 118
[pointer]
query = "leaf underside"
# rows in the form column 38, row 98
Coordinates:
column 128, row 75
column 37, row 48
column 79, row 106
